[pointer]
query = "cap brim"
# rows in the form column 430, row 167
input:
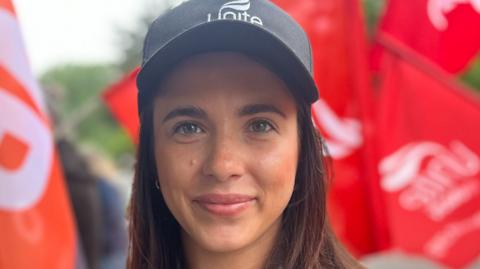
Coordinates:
column 228, row 35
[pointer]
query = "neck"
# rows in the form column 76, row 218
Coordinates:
column 252, row 256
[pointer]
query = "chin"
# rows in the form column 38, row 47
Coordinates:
column 223, row 239
column 223, row 245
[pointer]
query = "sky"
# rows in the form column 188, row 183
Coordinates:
column 80, row 31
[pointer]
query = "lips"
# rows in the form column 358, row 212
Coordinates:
column 225, row 204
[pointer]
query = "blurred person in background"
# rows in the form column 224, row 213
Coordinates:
column 114, row 235
column 230, row 170
column 98, row 209
column 85, row 199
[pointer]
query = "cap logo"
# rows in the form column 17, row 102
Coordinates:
column 236, row 10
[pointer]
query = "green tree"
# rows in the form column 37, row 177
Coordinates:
column 74, row 96
column 373, row 10
column 472, row 75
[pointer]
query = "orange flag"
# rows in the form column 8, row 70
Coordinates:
column 36, row 223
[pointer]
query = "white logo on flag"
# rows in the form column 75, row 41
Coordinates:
column 437, row 10
column 21, row 188
column 432, row 177
column 343, row 136
column 236, row 10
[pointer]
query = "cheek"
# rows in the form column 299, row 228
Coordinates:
column 172, row 164
column 175, row 162
column 275, row 171
column 175, row 170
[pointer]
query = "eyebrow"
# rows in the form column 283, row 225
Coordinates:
column 260, row 108
column 188, row 111
column 196, row 112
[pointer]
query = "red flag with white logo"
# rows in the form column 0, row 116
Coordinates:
column 429, row 147
column 444, row 31
column 36, row 224
column 336, row 31
column 121, row 99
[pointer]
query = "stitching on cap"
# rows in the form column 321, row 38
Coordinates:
column 309, row 51
column 147, row 42
column 310, row 56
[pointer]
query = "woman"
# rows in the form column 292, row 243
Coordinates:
column 230, row 171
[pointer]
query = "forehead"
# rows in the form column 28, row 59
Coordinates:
column 210, row 75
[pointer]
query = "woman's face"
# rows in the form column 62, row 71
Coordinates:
column 226, row 150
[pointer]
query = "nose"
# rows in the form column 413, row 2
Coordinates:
column 224, row 160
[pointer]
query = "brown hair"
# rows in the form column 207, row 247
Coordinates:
column 305, row 240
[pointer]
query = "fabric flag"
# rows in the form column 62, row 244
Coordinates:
column 429, row 147
column 336, row 31
column 121, row 99
column 36, row 224
column 444, row 31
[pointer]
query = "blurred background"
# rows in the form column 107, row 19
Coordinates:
column 80, row 50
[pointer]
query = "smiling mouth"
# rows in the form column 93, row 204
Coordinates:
column 225, row 204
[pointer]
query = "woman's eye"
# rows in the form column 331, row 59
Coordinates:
column 188, row 129
column 261, row 126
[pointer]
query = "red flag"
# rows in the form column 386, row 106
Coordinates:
column 445, row 31
column 336, row 31
column 36, row 224
column 121, row 99
column 429, row 147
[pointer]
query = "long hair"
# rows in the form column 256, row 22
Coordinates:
column 305, row 239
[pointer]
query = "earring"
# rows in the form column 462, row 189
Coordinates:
column 156, row 185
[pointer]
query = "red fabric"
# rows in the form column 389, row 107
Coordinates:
column 37, row 229
column 121, row 99
column 7, row 6
column 337, row 34
column 445, row 31
column 428, row 142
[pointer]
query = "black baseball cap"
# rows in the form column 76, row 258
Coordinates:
column 254, row 27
